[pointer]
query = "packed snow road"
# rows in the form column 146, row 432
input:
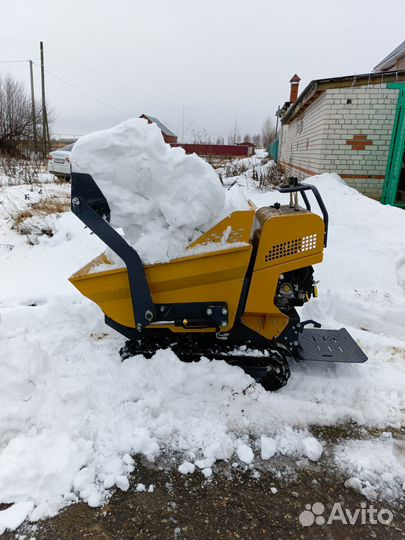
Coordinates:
column 73, row 417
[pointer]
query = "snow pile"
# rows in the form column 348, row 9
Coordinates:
column 51, row 458
column 72, row 414
column 312, row 448
column 268, row 447
column 12, row 517
column 245, row 453
column 186, row 468
column 374, row 468
column 361, row 279
column 162, row 198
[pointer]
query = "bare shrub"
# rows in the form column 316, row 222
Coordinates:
column 38, row 218
column 235, row 168
column 15, row 172
column 270, row 177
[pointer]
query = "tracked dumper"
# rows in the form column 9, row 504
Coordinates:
column 236, row 304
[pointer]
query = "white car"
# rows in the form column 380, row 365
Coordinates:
column 59, row 162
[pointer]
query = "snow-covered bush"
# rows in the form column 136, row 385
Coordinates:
column 37, row 218
column 16, row 172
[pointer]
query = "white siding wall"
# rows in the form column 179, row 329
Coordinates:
column 302, row 142
column 329, row 122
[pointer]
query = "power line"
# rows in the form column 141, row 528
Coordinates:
column 86, row 93
column 63, row 72
column 12, row 61
column 101, row 77
column 17, row 40
column 98, row 77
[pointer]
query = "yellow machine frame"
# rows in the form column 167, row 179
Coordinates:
column 284, row 238
column 232, row 297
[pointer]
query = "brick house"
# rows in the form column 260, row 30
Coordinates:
column 342, row 125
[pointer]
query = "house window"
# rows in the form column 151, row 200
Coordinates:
column 307, row 145
column 300, row 126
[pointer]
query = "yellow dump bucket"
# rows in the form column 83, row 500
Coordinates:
column 214, row 276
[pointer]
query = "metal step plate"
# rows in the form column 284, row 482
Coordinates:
column 316, row 344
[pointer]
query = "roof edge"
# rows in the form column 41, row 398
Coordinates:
column 318, row 85
column 391, row 57
column 160, row 124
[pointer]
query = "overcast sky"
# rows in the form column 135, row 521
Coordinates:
column 219, row 61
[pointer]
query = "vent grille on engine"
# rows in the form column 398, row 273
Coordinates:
column 292, row 247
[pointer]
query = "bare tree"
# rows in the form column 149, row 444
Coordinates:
column 201, row 137
column 234, row 135
column 257, row 140
column 247, row 138
column 220, row 140
column 16, row 122
column 268, row 132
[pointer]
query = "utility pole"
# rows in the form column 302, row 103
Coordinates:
column 34, row 120
column 48, row 137
column 44, row 116
column 278, row 114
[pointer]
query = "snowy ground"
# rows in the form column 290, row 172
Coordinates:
column 72, row 416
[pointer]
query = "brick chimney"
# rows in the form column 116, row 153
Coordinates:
column 295, row 82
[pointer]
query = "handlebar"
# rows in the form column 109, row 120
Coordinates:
column 295, row 187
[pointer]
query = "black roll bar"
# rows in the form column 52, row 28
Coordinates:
column 295, row 186
column 91, row 207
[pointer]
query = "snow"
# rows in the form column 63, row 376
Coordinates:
column 205, row 463
column 373, row 468
column 187, row 468
column 162, row 198
column 40, row 465
column 207, row 472
column 13, row 516
column 72, row 414
column 245, row 453
column 122, row 482
column 312, row 448
column 268, row 447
